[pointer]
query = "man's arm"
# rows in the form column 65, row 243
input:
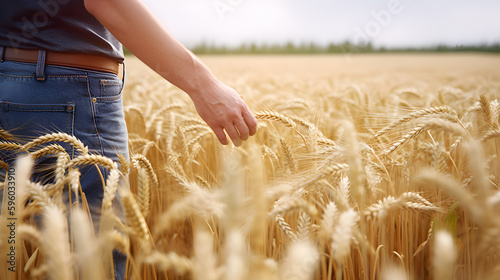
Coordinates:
column 133, row 24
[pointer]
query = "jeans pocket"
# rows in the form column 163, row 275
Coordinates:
column 110, row 120
column 28, row 121
column 110, row 90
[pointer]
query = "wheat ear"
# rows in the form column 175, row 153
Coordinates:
column 110, row 188
column 444, row 255
column 158, row 114
column 171, row 261
column 411, row 134
column 89, row 258
column 92, row 159
column 288, row 203
column 416, row 115
column 141, row 160
column 304, row 227
column 58, row 137
column 50, row 149
column 37, row 194
column 329, row 219
column 342, row 235
column 288, row 155
column 277, row 117
column 393, row 272
column 143, row 196
column 10, row 146
column 432, row 179
column 285, row 227
column 115, row 240
column 205, row 265
column 5, row 135
column 124, row 164
column 301, row 261
column 491, row 134
column 484, row 102
column 56, row 244
column 334, row 170
column 134, row 215
column 30, row 233
column 4, row 165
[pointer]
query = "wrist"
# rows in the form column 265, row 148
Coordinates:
column 201, row 83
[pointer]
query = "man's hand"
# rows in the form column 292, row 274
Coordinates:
column 222, row 108
column 131, row 22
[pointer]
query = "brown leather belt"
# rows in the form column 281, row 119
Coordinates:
column 79, row 60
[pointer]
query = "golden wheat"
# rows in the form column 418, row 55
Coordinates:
column 350, row 176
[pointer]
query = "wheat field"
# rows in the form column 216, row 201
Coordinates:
column 363, row 167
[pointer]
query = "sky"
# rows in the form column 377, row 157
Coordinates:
column 392, row 23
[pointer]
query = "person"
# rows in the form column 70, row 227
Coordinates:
column 59, row 64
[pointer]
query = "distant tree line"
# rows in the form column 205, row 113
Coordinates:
column 345, row 47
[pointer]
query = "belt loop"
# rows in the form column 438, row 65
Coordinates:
column 2, row 54
column 40, row 66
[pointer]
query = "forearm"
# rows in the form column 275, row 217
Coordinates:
column 134, row 25
column 220, row 106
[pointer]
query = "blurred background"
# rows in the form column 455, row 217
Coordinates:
column 321, row 26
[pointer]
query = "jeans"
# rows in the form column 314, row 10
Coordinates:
column 79, row 102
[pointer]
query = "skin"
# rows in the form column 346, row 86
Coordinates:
column 220, row 106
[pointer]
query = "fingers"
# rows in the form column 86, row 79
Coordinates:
column 227, row 113
column 219, row 132
column 234, row 135
column 242, row 129
column 250, row 121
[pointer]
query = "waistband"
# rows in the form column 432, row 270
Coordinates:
column 79, row 60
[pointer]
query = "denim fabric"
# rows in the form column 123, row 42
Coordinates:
column 79, row 102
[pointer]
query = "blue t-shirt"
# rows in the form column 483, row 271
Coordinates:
column 55, row 25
